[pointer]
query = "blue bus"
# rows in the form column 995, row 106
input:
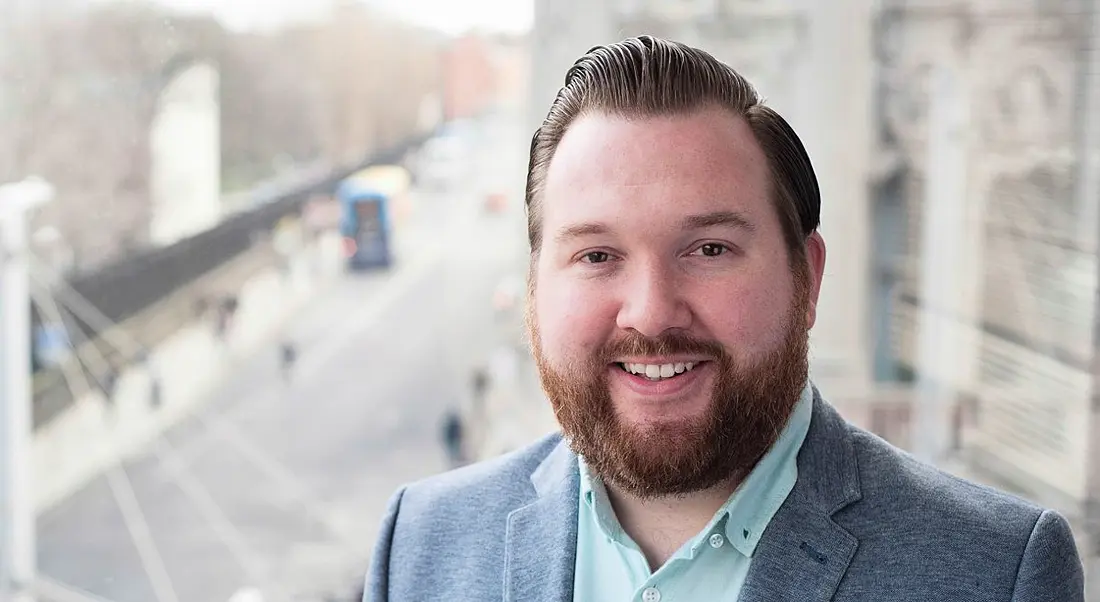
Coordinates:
column 365, row 224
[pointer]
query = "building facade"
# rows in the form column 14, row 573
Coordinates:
column 485, row 73
column 985, row 245
column 185, row 156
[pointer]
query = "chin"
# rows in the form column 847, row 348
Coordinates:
column 643, row 413
column 664, row 423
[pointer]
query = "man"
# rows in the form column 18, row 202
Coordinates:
column 452, row 436
column 674, row 276
column 288, row 355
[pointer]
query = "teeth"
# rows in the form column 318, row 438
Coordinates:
column 658, row 371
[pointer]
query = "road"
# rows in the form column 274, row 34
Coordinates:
column 280, row 485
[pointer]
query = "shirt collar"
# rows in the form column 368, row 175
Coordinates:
column 760, row 495
column 595, row 500
column 748, row 511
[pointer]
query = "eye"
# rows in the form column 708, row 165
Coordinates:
column 711, row 249
column 595, row 257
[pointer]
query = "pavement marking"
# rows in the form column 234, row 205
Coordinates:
column 247, row 557
column 392, row 291
column 337, row 524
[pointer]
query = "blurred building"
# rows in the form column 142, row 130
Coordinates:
column 511, row 57
column 484, row 72
column 562, row 31
column 985, row 216
column 468, row 82
column 185, row 147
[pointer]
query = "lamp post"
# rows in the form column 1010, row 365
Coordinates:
column 17, row 515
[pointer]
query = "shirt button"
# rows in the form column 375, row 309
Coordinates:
column 651, row 594
column 717, row 540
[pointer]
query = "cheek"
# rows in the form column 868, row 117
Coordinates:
column 747, row 315
column 574, row 318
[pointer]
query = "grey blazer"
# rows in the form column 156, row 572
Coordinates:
column 864, row 522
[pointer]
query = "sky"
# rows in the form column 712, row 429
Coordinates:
column 449, row 16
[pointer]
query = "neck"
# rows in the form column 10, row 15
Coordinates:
column 660, row 526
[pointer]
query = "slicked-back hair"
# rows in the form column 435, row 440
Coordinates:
column 651, row 77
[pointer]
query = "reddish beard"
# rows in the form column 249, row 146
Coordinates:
column 749, row 407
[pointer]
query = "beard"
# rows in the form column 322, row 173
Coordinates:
column 751, row 401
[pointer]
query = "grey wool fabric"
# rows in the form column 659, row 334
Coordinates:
column 865, row 522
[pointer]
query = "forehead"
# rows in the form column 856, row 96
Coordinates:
column 664, row 167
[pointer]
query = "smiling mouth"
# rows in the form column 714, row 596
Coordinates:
column 658, row 372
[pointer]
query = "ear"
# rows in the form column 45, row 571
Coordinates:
column 815, row 257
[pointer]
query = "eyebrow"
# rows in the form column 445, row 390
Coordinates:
column 580, row 230
column 718, row 218
column 691, row 222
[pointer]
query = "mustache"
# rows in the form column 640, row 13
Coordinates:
column 669, row 343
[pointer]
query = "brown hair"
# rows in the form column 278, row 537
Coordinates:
column 647, row 76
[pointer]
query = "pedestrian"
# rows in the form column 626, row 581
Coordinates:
column 225, row 313
column 201, row 306
column 480, row 382
column 453, row 438
column 155, row 392
column 110, row 386
column 288, row 354
column 221, row 322
column 675, row 267
column 152, row 376
column 480, row 391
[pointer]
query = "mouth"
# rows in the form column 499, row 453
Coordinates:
column 658, row 372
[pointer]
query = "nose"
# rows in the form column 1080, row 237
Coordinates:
column 654, row 302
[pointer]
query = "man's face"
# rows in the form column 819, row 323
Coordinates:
column 669, row 328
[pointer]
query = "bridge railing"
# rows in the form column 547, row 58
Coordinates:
column 129, row 290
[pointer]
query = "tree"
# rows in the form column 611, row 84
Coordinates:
column 80, row 97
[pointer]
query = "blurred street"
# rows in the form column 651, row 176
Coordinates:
column 301, row 470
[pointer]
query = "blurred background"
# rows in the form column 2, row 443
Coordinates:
column 263, row 262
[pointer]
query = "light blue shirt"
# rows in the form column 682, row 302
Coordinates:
column 713, row 565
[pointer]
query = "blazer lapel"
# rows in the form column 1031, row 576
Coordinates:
column 803, row 553
column 541, row 539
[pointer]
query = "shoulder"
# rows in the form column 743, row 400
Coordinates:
column 890, row 477
column 446, row 534
column 871, row 480
column 916, row 513
column 472, row 494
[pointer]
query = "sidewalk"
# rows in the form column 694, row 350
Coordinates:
column 93, row 434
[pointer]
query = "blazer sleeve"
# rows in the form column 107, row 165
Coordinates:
column 377, row 584
column 1050, row 570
